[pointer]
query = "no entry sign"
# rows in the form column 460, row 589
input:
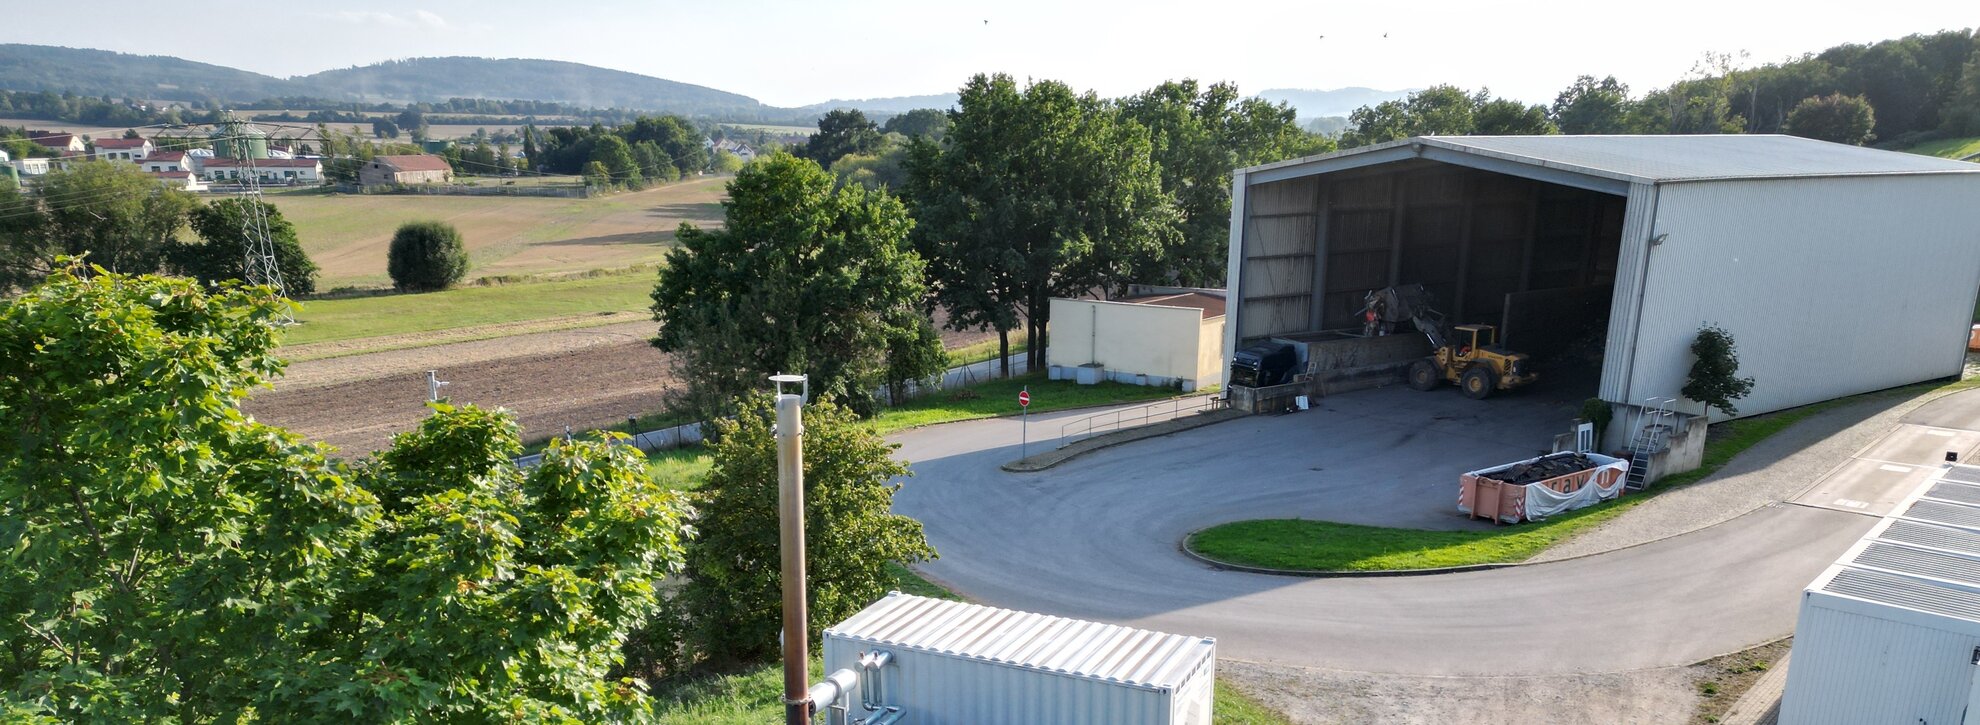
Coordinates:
column 1024, row 398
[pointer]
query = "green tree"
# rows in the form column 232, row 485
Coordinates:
column 426, row 256
column 384, row 128
column 1506, row 117
column 803, row 277
column 1199, row 134
column 595, row 174
column 1834, row 117
column 885, row 168
column 733, row 589
column 654, row 164
column 616, row 156
column 925, row 123
column 1034, row 193
column 1714, row 377
column 115, row 213
column 726, row 163
column 170, row 559
column 840, row 132
column 1591, row 106
column 222, row 227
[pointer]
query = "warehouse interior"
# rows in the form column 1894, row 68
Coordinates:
column 1535, row 259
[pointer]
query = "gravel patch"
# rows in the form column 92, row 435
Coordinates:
column 1308, row 695
column 1776, row 469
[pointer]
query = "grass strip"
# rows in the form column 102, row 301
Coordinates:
column 1324, row 546
column 377, row 316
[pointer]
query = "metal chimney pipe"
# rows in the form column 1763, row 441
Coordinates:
column 790, row 515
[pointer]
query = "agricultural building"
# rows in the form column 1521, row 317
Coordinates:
column 1837, row 269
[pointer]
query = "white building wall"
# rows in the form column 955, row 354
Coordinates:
column 1857, row 663
column 1140, row 339
column 1829, row 286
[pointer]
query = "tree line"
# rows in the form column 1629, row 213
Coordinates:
column 1898, row 92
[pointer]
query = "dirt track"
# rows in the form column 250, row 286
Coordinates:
column 583, row 378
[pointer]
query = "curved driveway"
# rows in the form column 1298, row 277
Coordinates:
column 1096, row 538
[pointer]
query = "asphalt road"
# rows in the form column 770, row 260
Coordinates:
column 1097, row 538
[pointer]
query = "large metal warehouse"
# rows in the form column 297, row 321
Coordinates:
column 1837, row 269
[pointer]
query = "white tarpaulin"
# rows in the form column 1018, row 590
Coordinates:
column 1542, row 502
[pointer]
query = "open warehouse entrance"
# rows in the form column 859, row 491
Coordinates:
column 1837, row 269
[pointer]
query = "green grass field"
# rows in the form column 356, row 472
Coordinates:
column 1301, row 545
column 1952, row 148
column 376, row 316
column 348, row 235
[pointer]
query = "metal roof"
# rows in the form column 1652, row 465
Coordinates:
column 1072, row 647
column 1924, row 557
column 1632, row 159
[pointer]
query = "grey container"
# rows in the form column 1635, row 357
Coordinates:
column 966, row 664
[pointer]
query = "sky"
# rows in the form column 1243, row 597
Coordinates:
column 793, row 52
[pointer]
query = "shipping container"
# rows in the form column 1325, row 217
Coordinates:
column 1482, row 494
column 1891, row 632
column 952, row 663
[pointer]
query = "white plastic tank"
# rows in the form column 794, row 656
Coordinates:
column 937, row 662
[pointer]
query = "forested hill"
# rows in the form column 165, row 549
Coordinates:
column 124, row 75
column 100, row 72
column 427, row 79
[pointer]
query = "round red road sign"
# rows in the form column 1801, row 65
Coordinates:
column 1024, row 399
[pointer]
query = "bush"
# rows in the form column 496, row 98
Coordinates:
column 171, row 560
column 426, row 256
column 219, row 256
column 1714, row 379
column 1599, row 412
column 851, row 535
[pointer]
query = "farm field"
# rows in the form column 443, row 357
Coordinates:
column 383, row 316
column 347, row 235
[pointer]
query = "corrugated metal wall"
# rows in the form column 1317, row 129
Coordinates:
column 1625, row 307
column 1280, row 234
column 1850, row 668
column 1830, row 286
column 938, row 689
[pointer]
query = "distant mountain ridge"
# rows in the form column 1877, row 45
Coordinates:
column 892, row 104
column 86, row 71
column 1315, row 103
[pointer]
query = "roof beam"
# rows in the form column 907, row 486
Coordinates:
column 1547, row 174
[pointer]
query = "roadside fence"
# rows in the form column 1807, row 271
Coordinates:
column 1159, row 411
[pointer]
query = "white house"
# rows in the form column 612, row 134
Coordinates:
column 31, row 166
column 161, row 161
column 183, row 180
column 269, row 171
column 123, row 149
column 58, row 142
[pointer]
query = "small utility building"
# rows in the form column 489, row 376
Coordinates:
column 1837, row 269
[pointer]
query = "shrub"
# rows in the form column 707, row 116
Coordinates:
column 1714, row 379
column 1599, row 412
column 851, row 534
column 426, row 256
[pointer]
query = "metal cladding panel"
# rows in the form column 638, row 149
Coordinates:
column 1639, row 216
column 1851, row 668
column 968, row 664
column 1787, row 266
column 1958, row 492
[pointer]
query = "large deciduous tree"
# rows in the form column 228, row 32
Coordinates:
column 1834, row 117
column 1035, row 192
column 1443, row 111
column 171, row 559
column 221, row 254
column 804, row 277
column 115, row 213
column 840, row 132
column 850, row 477
column 1199, row 134
column 1590, row 106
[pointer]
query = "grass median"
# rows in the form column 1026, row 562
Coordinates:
column 1323, row 546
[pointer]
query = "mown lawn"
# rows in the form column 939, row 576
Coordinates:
column 1952, row 148
column 361, row 317
column 1303, row 545
column 999, row 397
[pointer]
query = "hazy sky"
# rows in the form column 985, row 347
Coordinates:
column 794, row 52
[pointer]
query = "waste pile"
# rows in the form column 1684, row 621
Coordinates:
column 1541, row 469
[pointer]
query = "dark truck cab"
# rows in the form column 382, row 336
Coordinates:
column 1263, row 364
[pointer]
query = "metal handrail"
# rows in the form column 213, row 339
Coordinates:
column 1121, row 418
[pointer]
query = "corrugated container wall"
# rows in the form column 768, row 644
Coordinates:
column 1854, row 664
column 955, row 663
column 1830, row 286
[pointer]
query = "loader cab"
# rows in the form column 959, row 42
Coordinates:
column 1473, row 338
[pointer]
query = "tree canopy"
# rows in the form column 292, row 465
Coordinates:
column 115, row 213
column 1035, row 192
column 220, row 255
column 173, row 559
column 803, row 277
column 1444, row 111
column 1834, row 117
column 840, row 132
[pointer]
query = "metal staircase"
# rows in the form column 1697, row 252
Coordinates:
column 1653, row 429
